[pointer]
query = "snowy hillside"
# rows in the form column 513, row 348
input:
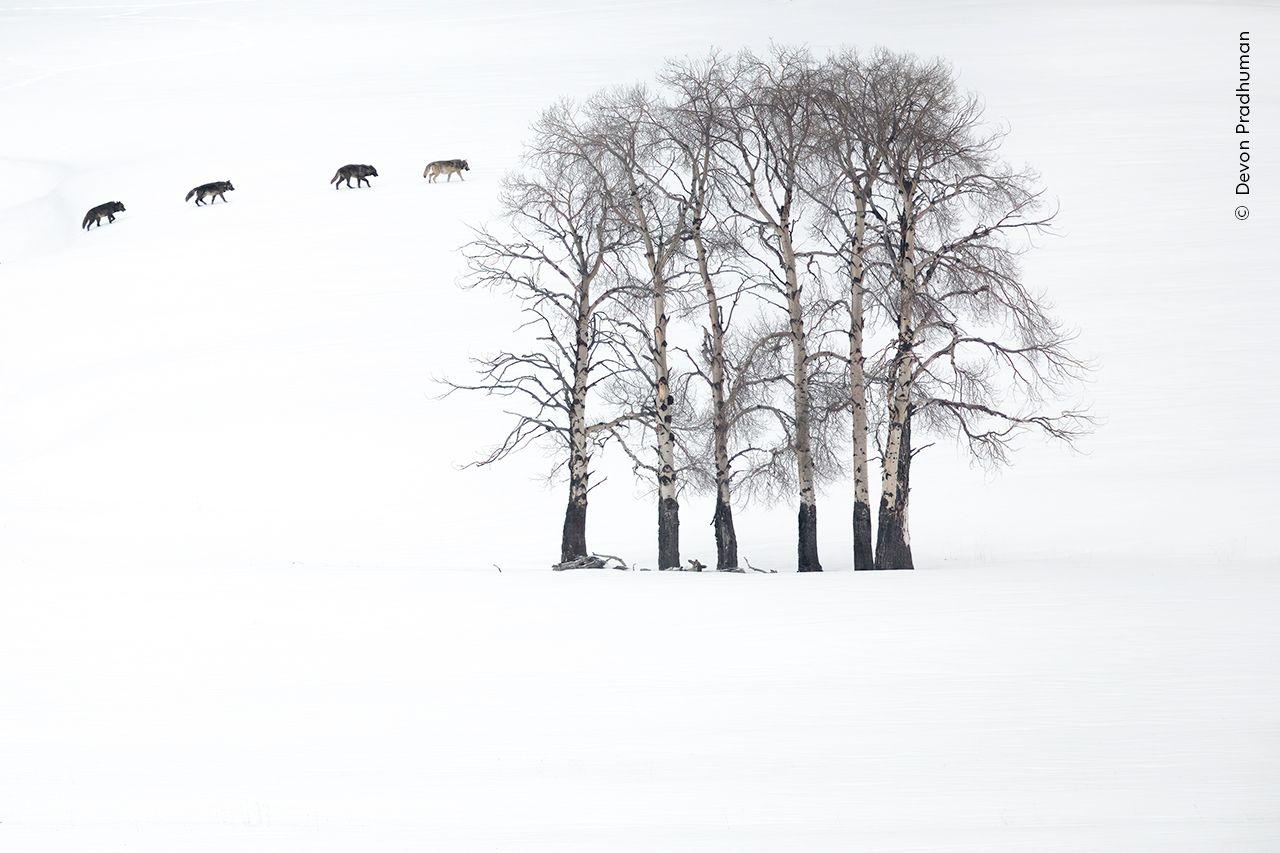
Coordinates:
column 250, row 599
column 255, row 381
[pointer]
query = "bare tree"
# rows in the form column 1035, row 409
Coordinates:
column 557, row 257
column 974, row 347
column 689, row 132
column 847, row 171
column 848, row 239
column 765, row 137
column 624, row 138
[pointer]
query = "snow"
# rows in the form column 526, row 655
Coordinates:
column 1053, row 709
column 248, row 596
column 254, row 382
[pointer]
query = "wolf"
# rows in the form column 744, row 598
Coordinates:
column 436, row 168
column 213, row 191
column 352, row 170
column 95, row 214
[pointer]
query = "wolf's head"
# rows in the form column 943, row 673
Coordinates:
column 466, row 166
column 117, row 207
column 227, row 184
column 373, row 172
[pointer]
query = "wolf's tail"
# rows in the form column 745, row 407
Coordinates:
column 85, row 224
column 336, row 176
column 189, row 195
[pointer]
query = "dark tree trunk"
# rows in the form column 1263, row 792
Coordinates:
column 668, row 533
column 573, row 541
column 726, row 538
column 862, row 554
column 893, row 541
column 808, row 539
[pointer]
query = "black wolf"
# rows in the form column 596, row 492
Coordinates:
column 94, row 216
column 214, row 191
column 360, row 173
column 436, row 168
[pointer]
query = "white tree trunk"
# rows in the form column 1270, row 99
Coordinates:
column 726, row 535
column 862, row 547
column 663, row 403
column 668, row 507
column 893, row 546
column 807, row 544
column 573, row 542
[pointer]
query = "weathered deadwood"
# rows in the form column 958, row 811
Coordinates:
column 593, row 561
column 694, row 566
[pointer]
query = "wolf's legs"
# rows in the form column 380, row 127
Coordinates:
column 111, row 217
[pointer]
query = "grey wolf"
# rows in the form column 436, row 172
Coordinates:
column 95, row 214
column 213, row 191
column 436, row 168
column 352, row 170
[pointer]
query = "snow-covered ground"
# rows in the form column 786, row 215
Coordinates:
column 993, row 709
column 246, row 597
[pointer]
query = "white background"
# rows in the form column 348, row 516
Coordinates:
column 255, row 383
column 247, row 598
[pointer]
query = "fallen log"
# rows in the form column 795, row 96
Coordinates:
column 591, row 561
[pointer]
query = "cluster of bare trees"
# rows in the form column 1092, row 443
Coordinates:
column 763, row 273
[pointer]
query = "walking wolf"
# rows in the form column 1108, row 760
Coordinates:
column 436, row 168
column 352, row 170
column 214, row 191
column 94, row 216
